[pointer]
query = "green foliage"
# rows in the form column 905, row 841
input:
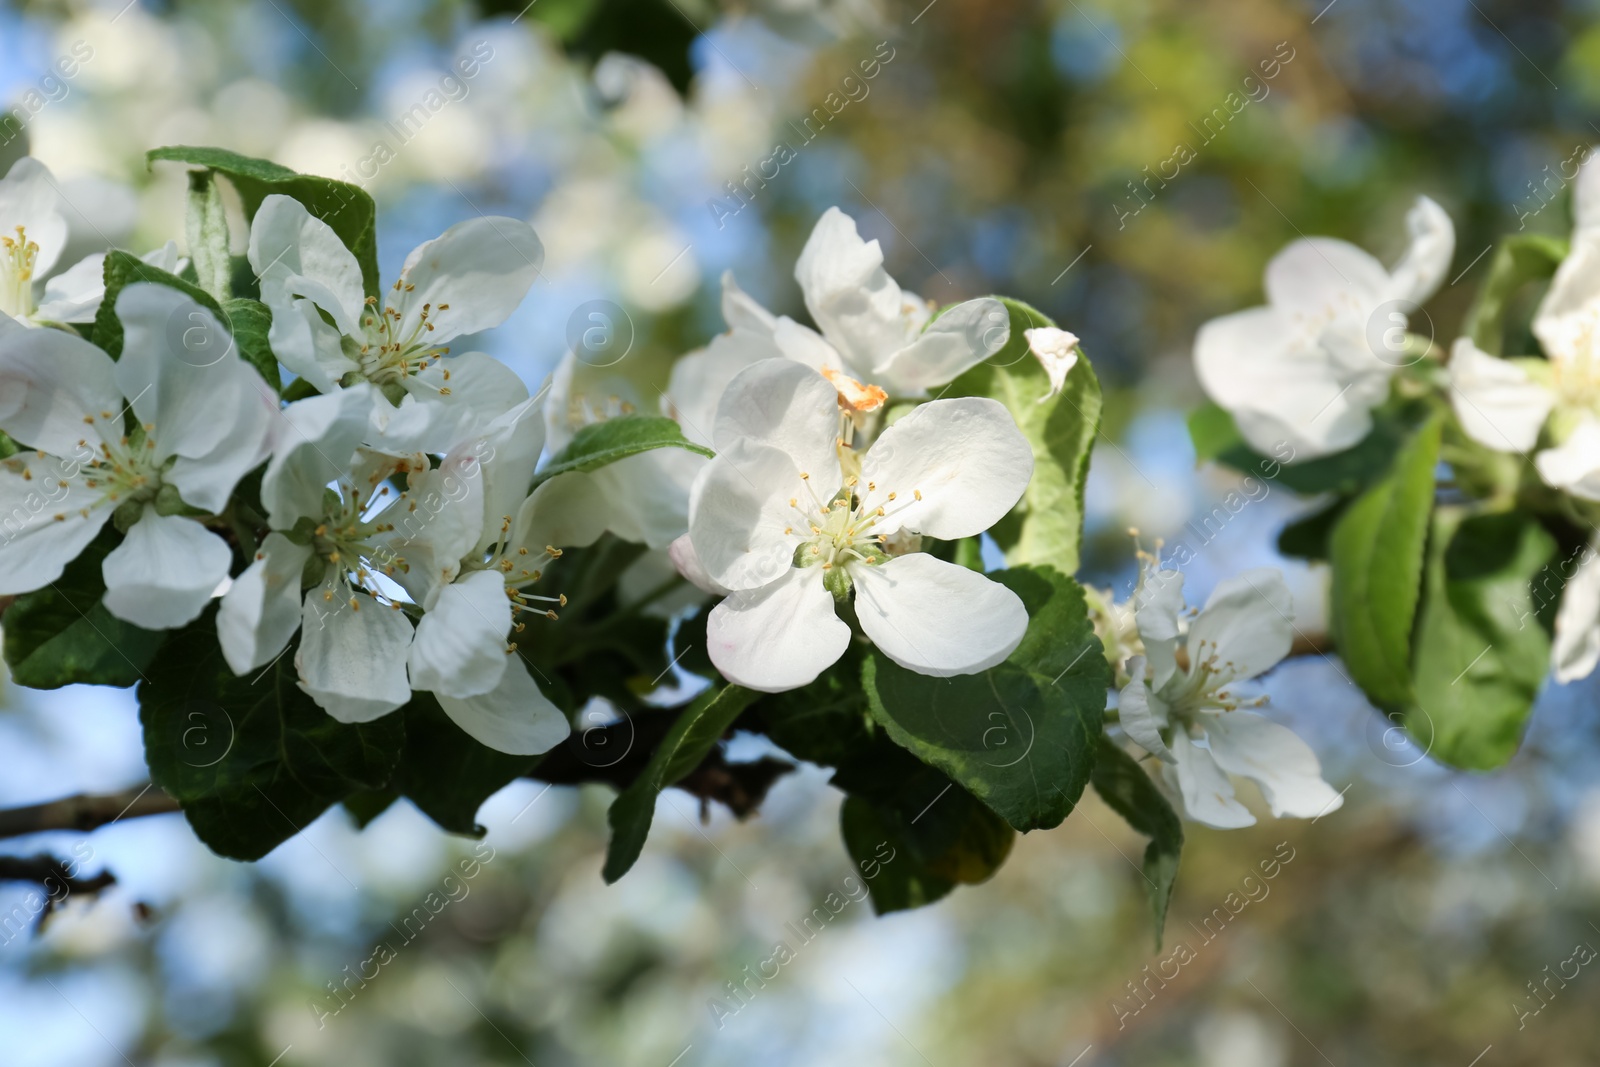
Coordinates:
column 1376, row 552
column 601, row 443
column 686, row 744
column 1483, row 643
column 62, row 634
column 347, row 209
column 1021, row 736
column 1520, row 259
column 1047, row 527
column 446, row 773
column 252, row 759
column 121, row 271
column 1216, row 438
column 1128, row 791
column 1307, row 538
column 248, row 321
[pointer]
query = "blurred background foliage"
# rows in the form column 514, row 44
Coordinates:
column 1128, row 168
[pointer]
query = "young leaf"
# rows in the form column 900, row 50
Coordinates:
column 1520, row 259
column 1061, row 430
column 252, row 759
column 1128, row 791
column 1376, row 552
column 62, row 634
column 1021, row 736
column 347, row 209
column 447, row 774
column 601, row 443
column 1482, row 647
column 680, row 752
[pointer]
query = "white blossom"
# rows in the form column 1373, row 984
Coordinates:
column 1190, row 714
column 790, row 522
column 1308, row 368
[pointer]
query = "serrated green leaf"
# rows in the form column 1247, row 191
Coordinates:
column 446, row 773
column 1021, row 736
column 1376, row 552
column 1520, row 259
column 1128, row 791
column 1482, row 647
column 680, row 752
column 252, row 759
column 62, row 634
column 602, row 443
column 347, row 209
column 1061, row 430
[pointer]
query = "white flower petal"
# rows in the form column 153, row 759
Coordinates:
column 937, row 618
column 1142, row 713
column 261, row 609
column 460, row 645
column 1247, row 624
column 1276, row 759
column 316, row 442
column 164, row 572
column 207, row 481
column 1422, row 269
column 1576, row 649
column 480, row 388
column 742, row 311
column 806, row 346
column 965, row 457
column 700, row 378
column 50, row 381
column 470, row 278
column 1499, row 406
column 305, row 344
column 1157, row 607
column 1575, row 465
column 514, row 717
column 1057, row 351
column 778, row 637
column 858, row 306
column 1564, row 320
column 784, row 405
column 74, row 295
column 687, row 561
column 739, row 512
column 352, row 654
column 961, row 337
column 42, row 522
column 1207, row 794
column 1316, row 275
column 28, row 198
column 296, row 254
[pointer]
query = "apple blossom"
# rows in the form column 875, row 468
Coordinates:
column 1189, row 713
column 1307, row 369
column 791, row 522
column 201, row 419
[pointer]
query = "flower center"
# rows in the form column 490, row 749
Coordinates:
column 17, row 258
column 844, row 530
column 389, row 349
column 1203, row 687
column 1576, row 369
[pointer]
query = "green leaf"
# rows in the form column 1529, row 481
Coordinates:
column 347, row 209
column 206, row 230
column 249, row 321
column 1308, row 537
column 446, row 773
column 1376, row 552
column 1483, row 647
column 252, row 759
column 680, row 752
column 1520, row 259
column 1061, row 430
column 121, row 271
column 1216, row 438
column 1021, row 736
column 62, row 634
column 602, row 443
column 877, row 843
column 1128, row 791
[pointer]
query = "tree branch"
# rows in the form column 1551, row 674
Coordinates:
column 85, row 812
